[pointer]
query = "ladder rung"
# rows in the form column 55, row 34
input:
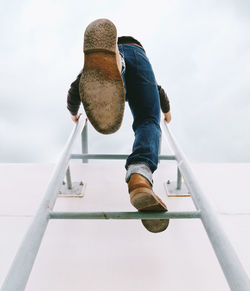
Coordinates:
column 112, row 157
column 124, row 215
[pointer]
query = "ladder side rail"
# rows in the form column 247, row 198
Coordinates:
column 21, row 267
column 234, row 272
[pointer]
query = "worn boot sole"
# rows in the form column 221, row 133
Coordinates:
column 144, row 199
column 101, row 85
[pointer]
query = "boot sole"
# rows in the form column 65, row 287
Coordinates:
column 143, row 199
column 101, row 85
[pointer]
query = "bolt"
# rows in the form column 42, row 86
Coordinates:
column 168, row 182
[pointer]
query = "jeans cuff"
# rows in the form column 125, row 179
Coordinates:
column 141, row 169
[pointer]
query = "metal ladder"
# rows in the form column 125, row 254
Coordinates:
column 21, row 267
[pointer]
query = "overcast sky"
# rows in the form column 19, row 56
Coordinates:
column 199, row 50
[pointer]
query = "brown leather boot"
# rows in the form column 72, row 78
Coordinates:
column 101, row 85
column 143, row 198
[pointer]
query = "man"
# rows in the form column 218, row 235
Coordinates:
column 110, row 73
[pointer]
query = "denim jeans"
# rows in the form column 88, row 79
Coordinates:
column 143, row 98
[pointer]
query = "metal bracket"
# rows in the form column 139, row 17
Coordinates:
column 172, row 190
column 177, row 188
column 77, row 189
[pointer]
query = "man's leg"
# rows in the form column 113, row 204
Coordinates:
column 142, row 95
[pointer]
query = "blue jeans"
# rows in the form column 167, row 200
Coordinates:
column 143, row 98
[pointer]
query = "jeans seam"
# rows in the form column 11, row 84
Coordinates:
column 136, row 53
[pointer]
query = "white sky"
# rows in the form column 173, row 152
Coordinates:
column 199, row 50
